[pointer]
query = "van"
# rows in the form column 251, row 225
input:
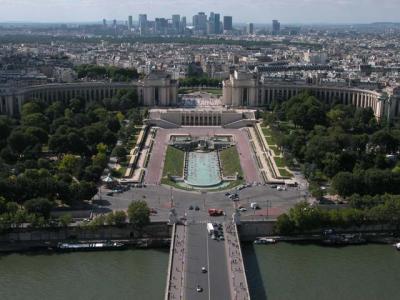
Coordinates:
column 254, row 205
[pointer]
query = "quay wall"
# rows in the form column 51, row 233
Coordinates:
column 155, row 230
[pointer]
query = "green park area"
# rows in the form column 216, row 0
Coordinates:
column 174, row 160
column 270, row 137
column 230, row 162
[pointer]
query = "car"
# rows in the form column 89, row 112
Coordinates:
column 213, row 212
column 191, row 207
column 254, row 205
column 153, row 211
column 110, row 194
column 227, row 194
column 203, row 270
column 197, row 208
column 243, row 209
column 273, row 186
column 199, row 289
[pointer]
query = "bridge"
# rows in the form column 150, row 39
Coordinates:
column 214, row 265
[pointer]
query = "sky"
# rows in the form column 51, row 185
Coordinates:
column 257, row 11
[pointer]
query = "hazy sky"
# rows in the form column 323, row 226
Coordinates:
column 258, row 11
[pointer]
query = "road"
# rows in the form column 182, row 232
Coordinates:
column 202, row 251
column 158, row 197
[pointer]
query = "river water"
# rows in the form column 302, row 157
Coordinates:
column 130, row 274
column 282, row 271
column 287, row 271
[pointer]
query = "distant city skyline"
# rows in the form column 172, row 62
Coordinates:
column 256, row 11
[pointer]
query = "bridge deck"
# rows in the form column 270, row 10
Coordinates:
column 194, row 249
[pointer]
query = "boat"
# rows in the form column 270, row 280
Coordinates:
column 344, row 239
column 90, row 246
column 264, row 241
column 397, row 246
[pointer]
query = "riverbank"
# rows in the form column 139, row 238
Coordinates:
column 158, row 234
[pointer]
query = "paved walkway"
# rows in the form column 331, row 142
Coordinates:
column 176, row 288
column 238, row 281
column 247, row 159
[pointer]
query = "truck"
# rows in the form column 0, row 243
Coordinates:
column 210, row 228
column 214, row 212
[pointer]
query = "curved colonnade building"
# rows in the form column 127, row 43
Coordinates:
column 155, row 90
column 241, row 90
column 244, row 90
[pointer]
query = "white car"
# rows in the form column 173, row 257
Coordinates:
column 242, row 209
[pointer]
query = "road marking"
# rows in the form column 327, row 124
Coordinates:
column 208, row 270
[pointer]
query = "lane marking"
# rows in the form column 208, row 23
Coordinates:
column 208, row 270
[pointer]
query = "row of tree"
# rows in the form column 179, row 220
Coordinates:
column 304, row 218
column 96, row 72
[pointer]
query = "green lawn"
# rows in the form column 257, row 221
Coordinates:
column 276, row 150
column 269, row 136
column 280, row 162
column 174, row 160
column 230, row 162
column 266, row 131
column 285, row 173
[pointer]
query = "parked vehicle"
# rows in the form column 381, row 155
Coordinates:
column 210, row 228
column 254, row 205
column 214, row 212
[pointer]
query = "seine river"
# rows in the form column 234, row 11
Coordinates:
column 130, row 274
column 280, row 271
column 287, row 271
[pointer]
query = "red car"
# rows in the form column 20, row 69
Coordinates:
column 213, row 212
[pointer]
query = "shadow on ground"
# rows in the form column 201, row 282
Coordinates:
column 254, row 279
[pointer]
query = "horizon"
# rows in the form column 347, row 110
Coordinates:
column 256, row 11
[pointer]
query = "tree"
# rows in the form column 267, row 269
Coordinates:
column 344, row 184
column 139, row 213
column 120, row 152
column 30, row 108
column 65, row 220
column 284, row 225
column 20, row 141
column 39, row 206
column 119, row 218
column 5, row 127
column 70, row 163
column 36, row 120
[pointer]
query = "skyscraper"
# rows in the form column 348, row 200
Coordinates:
column 250, row 28
column 176, row 20
column 143, row 24
column 200, row 22
column 217, row 21
column 104, row 22
column 130, row 22
column 276, row 27
column 213, row 26
column 182, row 28
column 228, row 23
